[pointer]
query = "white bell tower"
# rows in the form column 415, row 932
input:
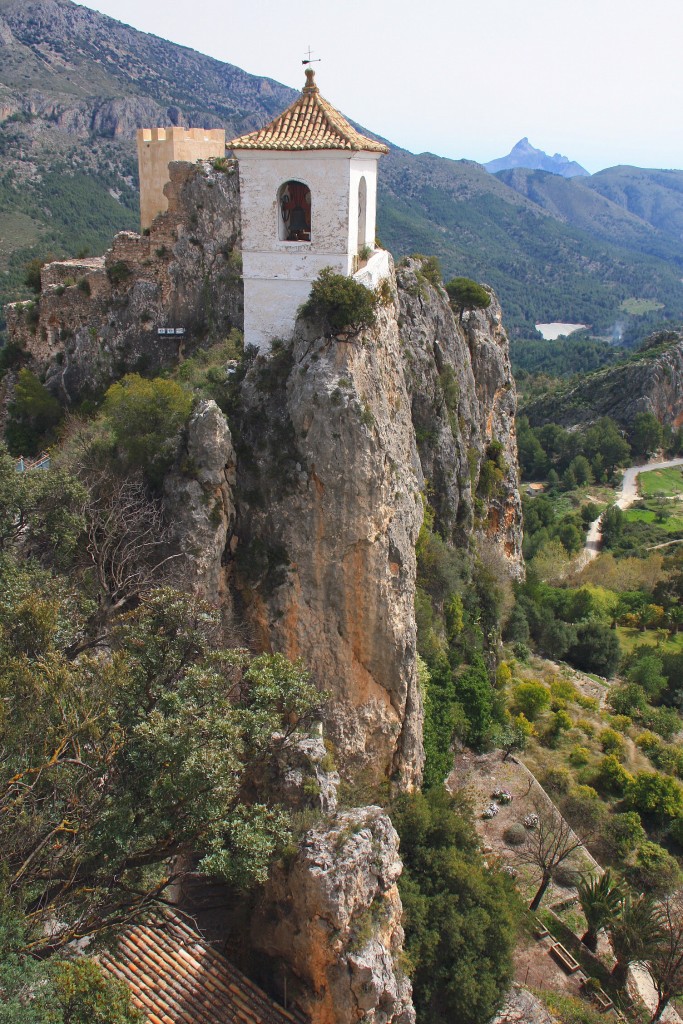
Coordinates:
column 308, row 195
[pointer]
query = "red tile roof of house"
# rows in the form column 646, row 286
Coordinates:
column 309, row 123
column 175, row 977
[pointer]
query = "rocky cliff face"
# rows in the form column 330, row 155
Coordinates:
column 310, row 525
column 651, row 382
column 337, row 439
column 199, row 505
column 329, row 509
column 152, row 299
column 463, row 402
column 334, row 918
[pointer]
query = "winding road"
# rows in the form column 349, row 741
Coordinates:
column 627, row 494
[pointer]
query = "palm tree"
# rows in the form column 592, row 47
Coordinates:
column 600, row 901
column 635, row 933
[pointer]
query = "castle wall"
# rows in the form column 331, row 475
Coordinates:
column 157, row 147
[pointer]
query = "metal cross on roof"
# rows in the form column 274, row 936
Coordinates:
column 311, row 60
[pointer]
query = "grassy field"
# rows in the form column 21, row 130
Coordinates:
column 661, row 481
column 672, row 523
column 636, row 307
column 630, row 638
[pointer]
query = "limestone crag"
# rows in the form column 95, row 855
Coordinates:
column 497, row 396
column 199, row 504
column 328, row 515
column 334, row 918
column 463, row 398
column 306, row 775
column 651, row 382
column 97, row 319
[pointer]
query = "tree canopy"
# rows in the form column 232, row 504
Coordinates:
column 466, row 294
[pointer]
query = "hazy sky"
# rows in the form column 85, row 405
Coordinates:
column 597, row 80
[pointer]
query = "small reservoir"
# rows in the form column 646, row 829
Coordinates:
column 551, row 332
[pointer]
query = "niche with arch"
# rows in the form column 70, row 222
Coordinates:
column 362, row 213
column 294, row 212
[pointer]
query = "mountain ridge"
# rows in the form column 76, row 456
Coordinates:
column 75, row 85
column 523, row 154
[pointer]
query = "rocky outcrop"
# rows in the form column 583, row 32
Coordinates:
column 152, row 299
column 329, row 510
column 336, row 438
column 311, row 524
column 199, row 504
column 333, row 917
column 651, row 381
column 463, row 402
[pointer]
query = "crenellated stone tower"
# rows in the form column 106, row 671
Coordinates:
column 157, row 148
column 308, row 191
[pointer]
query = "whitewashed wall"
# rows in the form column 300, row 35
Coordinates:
column 278, row 274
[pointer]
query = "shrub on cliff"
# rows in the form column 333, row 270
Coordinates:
column 460, row 916
column 466, row 294
column 340, row 303
column 146, row 417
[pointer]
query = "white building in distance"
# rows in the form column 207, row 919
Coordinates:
column 308, row 194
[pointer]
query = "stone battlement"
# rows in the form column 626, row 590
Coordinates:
column 157, row 148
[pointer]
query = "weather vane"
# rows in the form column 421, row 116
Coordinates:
column 311, row 60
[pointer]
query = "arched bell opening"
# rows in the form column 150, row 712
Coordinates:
column 294, row 212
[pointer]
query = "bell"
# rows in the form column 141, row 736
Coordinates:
column 298, row 220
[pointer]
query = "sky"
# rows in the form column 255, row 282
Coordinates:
column 597, row 80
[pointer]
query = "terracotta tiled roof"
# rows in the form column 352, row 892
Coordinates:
column 175, row 977
column 310, row 123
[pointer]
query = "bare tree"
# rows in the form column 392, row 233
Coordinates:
column 665, row 963
column 548, row 845
column 126, row 541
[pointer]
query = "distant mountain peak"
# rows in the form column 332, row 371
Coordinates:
column 526, row 155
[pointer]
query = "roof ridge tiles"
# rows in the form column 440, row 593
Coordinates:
column 311, row 122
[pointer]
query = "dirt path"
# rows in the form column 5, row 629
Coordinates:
column 626, row 495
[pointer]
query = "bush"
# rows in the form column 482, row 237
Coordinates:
column 32, row 276
column 655, row 870
column 118, row 273
column 340, row 303
column 557, row 780
column 475, row 693
column 655, row 794
column 596, row 649
column 146, row 417
column 33, row 416
column 530, row 699
column 625, row 833
column 665, row 721
column 612, row 777
column 430, row 269
column 627, row 700
column 583, row 809
column 579, row 756
column 612, row 743
column 515, row 834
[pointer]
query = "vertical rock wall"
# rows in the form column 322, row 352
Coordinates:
column 463, row 397
column 328, row 514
